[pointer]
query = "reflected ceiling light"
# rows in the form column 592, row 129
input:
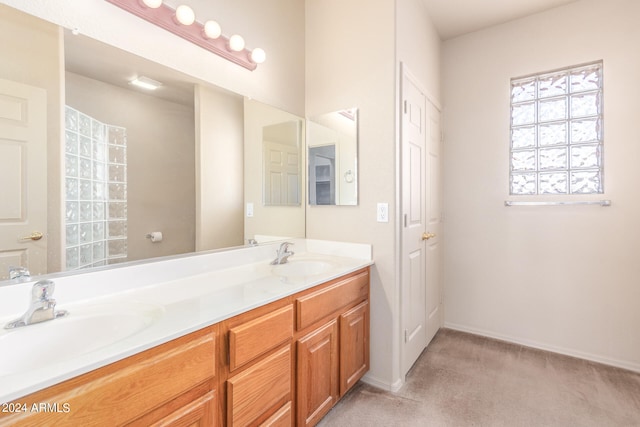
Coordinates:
column 258, row 55
column 236, row 43
column 212, row 30
column 153, row 4
column 185, row 15
column 145, row 83
column 208, row 35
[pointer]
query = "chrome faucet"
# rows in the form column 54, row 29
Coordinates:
column 283, row 254
column 19, row 274
column 42, row 306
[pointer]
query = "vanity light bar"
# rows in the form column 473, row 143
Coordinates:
column 165, row 17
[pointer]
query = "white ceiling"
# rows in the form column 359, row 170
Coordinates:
column 453, row 18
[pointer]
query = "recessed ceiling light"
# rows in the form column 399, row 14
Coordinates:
column 145, row 83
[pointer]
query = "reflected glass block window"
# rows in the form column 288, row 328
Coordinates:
column 556, row 132
column 95, row 191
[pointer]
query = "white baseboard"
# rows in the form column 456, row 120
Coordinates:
column 631, row 366
column 383, row 385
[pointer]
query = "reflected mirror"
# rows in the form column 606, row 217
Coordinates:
column 332, row 142
column 123, row 174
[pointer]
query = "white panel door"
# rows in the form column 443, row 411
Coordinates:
column 413, row 291
column 23, row 177
column 281, row 174
column 433, row 232
column 421, row 284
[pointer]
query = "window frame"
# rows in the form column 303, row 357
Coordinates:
column 526, row 92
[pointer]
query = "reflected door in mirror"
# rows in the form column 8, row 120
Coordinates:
column 23, row 174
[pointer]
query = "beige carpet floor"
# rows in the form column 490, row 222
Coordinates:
column 467, row 380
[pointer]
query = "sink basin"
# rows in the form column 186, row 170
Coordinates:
column 84, row 330
column 302, row 268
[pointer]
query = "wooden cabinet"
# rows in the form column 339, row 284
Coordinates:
column 333, row 351
column 282, row 418
column 259, row 386
column 317, row 375
column 140, row 390
column 283, row 364
column 199, row 413
column 354, row 346
column 262, row 387
column 253, row 338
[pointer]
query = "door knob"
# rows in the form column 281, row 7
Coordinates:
column 427, row 235
column 36, row 235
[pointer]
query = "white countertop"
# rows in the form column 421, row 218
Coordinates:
column 172, row 297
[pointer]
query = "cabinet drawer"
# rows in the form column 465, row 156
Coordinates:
column 317, row 305
column 258, row 389
column 251, row 339
column 199, row 413
column 282, row 418
column 125, row 390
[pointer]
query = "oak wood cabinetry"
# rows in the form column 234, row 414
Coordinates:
column 333, row 348
column 259, row 384
column 317, row 377
column 282, row 364
column 354, row 346
column 169, row 385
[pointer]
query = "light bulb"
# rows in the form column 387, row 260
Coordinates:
column 212, row 30
column 185, row 15
column 153, row 4
column 236, row 43
column 258, row 55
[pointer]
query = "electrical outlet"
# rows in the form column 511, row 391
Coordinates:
column 383, row 212
column 249, row 210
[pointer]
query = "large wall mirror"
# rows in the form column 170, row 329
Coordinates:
column 333, row 158
column 124, row 174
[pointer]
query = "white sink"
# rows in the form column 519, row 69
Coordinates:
column 84, row 330
column 302, row 268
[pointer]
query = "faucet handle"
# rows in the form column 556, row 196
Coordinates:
column 20, row 273
column 42, row 290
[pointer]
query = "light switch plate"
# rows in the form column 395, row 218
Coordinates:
column 382, row 212
column 249, row 210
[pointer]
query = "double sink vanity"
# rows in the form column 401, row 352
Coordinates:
column 221, row 338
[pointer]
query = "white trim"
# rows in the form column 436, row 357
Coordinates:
column 631, row 366
column 383, row 385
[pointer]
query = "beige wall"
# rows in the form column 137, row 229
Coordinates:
column 560, row 278
column 356, row 64
column 418, row 46
column 219, row 172
column 160, row 162
column 30, row 53
column 350, row 63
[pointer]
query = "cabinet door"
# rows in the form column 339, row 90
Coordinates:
column 317, row 376
column 354, row 346
column 199, row 413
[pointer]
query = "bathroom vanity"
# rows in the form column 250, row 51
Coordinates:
column 240, row 343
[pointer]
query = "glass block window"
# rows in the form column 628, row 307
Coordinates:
column 556, row 132
column 95, row 191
